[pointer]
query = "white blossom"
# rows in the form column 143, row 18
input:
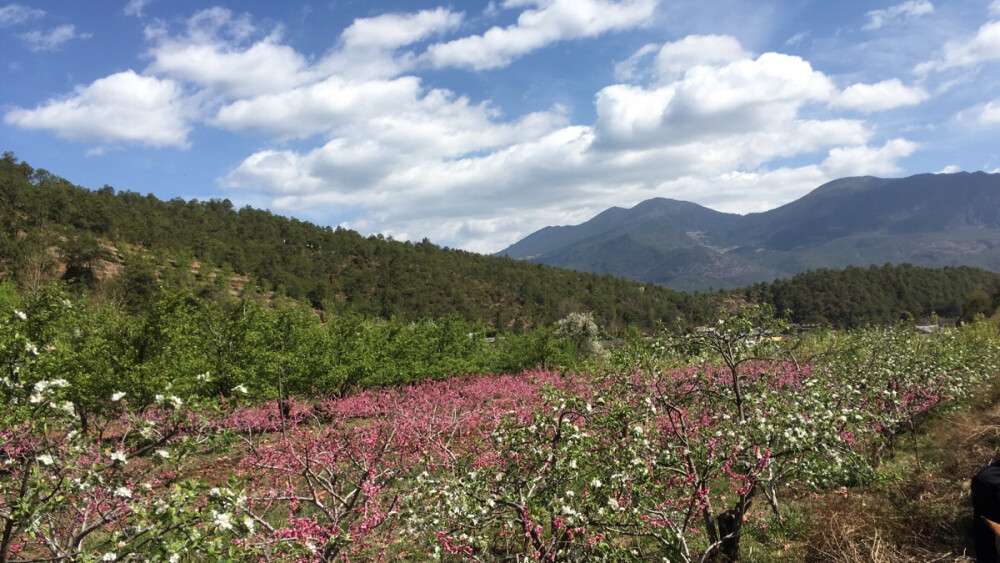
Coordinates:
column 119, row 456
column 46, row 459
column 123, row 492
column 222, row 520
column 21, row 315
column 117, row 396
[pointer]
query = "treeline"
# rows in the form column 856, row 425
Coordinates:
column 858, row 296
column 191, row 346
column 52, row 228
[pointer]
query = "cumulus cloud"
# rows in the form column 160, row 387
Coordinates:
column 888, row 94
column 984, row 47
column 13, row 14
column 391, row 31
column 264, row 67
column 908, row 10
column 950, row 169
column 675, row 58
column 709, row 101
column 121, row 108
column 548, row 22
column 378, row 40
column 212, row 54
column 865, row 160
column 52, row 39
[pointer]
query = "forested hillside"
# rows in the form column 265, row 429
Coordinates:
column 51, row 228
column 881, row 294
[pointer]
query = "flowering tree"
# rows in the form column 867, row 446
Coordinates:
column 71, row 494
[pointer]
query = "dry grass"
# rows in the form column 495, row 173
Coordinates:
column 923, row 514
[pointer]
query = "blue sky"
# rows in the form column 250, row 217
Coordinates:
column 476, row 123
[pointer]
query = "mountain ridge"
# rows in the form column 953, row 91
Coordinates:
column 931, row 220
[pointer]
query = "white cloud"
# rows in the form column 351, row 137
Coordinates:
column 368, row 48
column 674, row 59
column 950, row 169
column 213, row 55
column 864, row 160
column 900, row 12
column 888, row 94
column 135, row 8
column 745, row 95
column 13, row 14
column 990, row 113
column 549, row 22
column 52, row 39
column 391, row 31
column 994, row 8
column 121, row 108
column 265, row 67
column 984, row 47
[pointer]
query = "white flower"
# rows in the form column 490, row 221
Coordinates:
column 249, row 524
column 46, row 459
column 35, row 398
column 29, row 347
column 240, row 389
column 163, row 453
column 158, row 399
column 613, row 504
column 21, row 315
column 59, row 383
column 176, row 401
column 222, row 520
column 203, row 377
column 117, row 396
column 123, row 492
column 638, row 430
column 68, row 407
column 596, row 483
column 110, row 556
column 119, row 456
column 175, row 558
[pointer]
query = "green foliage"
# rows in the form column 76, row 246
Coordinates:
column 334, row 269
column 855, row 297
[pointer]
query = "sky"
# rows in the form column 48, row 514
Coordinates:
column 475, row 123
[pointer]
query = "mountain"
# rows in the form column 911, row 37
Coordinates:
column 932, row 220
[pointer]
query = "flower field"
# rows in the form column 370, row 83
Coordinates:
column 647, row 458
